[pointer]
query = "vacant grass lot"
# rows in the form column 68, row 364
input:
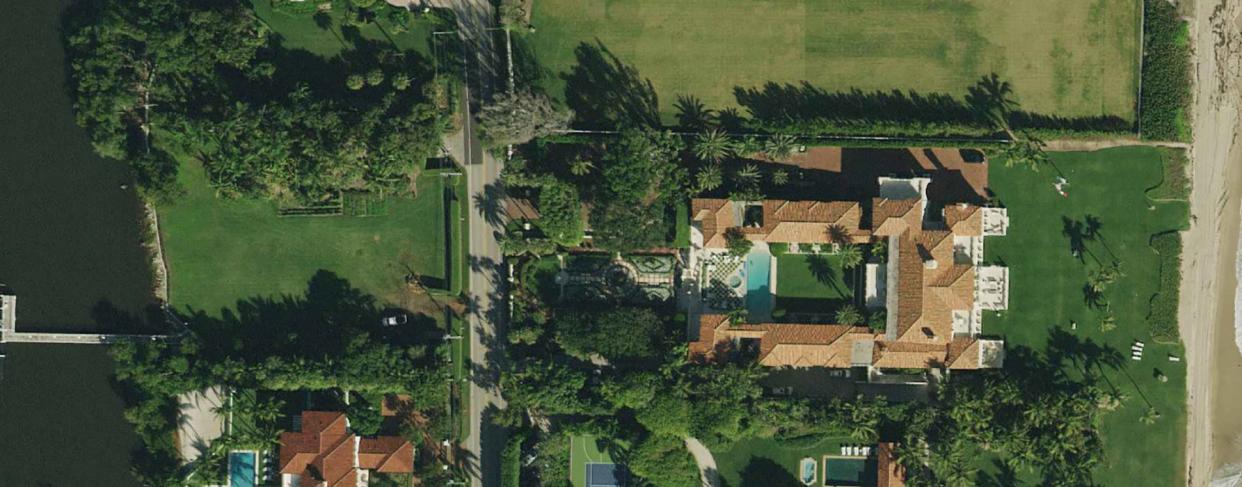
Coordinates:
column 1064, row 57
column 1046, row 289
column 299, row 31
column 812, row 283
column 219, row 250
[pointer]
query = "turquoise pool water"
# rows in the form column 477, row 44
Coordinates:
column 759, row 284
column 241, row 469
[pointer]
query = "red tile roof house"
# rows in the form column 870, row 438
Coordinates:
column 933, row 284
column 326, row 454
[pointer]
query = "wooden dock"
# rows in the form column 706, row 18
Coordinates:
column 9, row 333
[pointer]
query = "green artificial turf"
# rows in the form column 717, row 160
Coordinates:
column 1063, row 57
column 1046, row 292
column 220, row 251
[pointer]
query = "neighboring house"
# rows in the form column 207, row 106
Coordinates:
column 933, row 284
column 326, row 454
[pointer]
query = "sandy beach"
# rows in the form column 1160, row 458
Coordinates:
column 1209, row 275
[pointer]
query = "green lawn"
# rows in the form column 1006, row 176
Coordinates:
column 812, row 283
column 1064, row 57
column 584, row 449
column 220, row 251
column 300, row 31
column 1046, row 286
column 759, row 461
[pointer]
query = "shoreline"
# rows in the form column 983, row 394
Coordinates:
column 1226, row 362
column 1210, row 251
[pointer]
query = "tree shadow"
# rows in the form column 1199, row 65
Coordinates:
column 1076, row 232
column 692, row 115
column 986, row 110
column 1090, row 357
column 489, row 203
column 761, row 471
column 824, row 272
column 1005, row 476
column 605, row 93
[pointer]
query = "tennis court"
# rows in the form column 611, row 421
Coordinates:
column 592, row 467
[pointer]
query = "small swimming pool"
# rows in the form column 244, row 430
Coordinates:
column 242, row 471
column 759, row 284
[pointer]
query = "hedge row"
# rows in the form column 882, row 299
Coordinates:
column 1166, row 73
column 1175, row 183
column 511, row 462
column 1162, row 316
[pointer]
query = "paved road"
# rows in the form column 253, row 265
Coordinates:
column 476, row 24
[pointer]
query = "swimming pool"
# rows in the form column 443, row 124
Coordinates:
column 242, row 471
column 759, row 284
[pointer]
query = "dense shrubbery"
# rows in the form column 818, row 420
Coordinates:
column 229, row 97
column 511, row 462
column 1166, row 73
column 1032, row 416
column 329, row 338
column 1162, row 317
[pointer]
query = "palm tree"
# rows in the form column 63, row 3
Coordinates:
column 779, row 147
column 709, row 177
column 692, row 114
column 1149, row 416
column 850, row 255
column 1027, row 151
column 748, row 174
column 1100, row 279
column 581, row 167
column 849, row 315
column 780, row 177
column 713, row 145
column 1108, row 322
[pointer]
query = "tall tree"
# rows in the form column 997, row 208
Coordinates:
column 520, row 117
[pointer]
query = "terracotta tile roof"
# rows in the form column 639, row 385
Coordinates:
column 931, row 283
column 388, row 454
column 963, row 354
column 326, row 453
column 893, row 217
column 889, row 472
column 908, row 355
column 964, row 220
column 783, row 221
column 781, row 344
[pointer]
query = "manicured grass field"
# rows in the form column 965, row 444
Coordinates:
column 220, row 251
column 772, row 462
column 300, row 31
column 812, row 283
column 1046, row 287
column 1064, row 57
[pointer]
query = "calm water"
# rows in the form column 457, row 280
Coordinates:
column 69, row 245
